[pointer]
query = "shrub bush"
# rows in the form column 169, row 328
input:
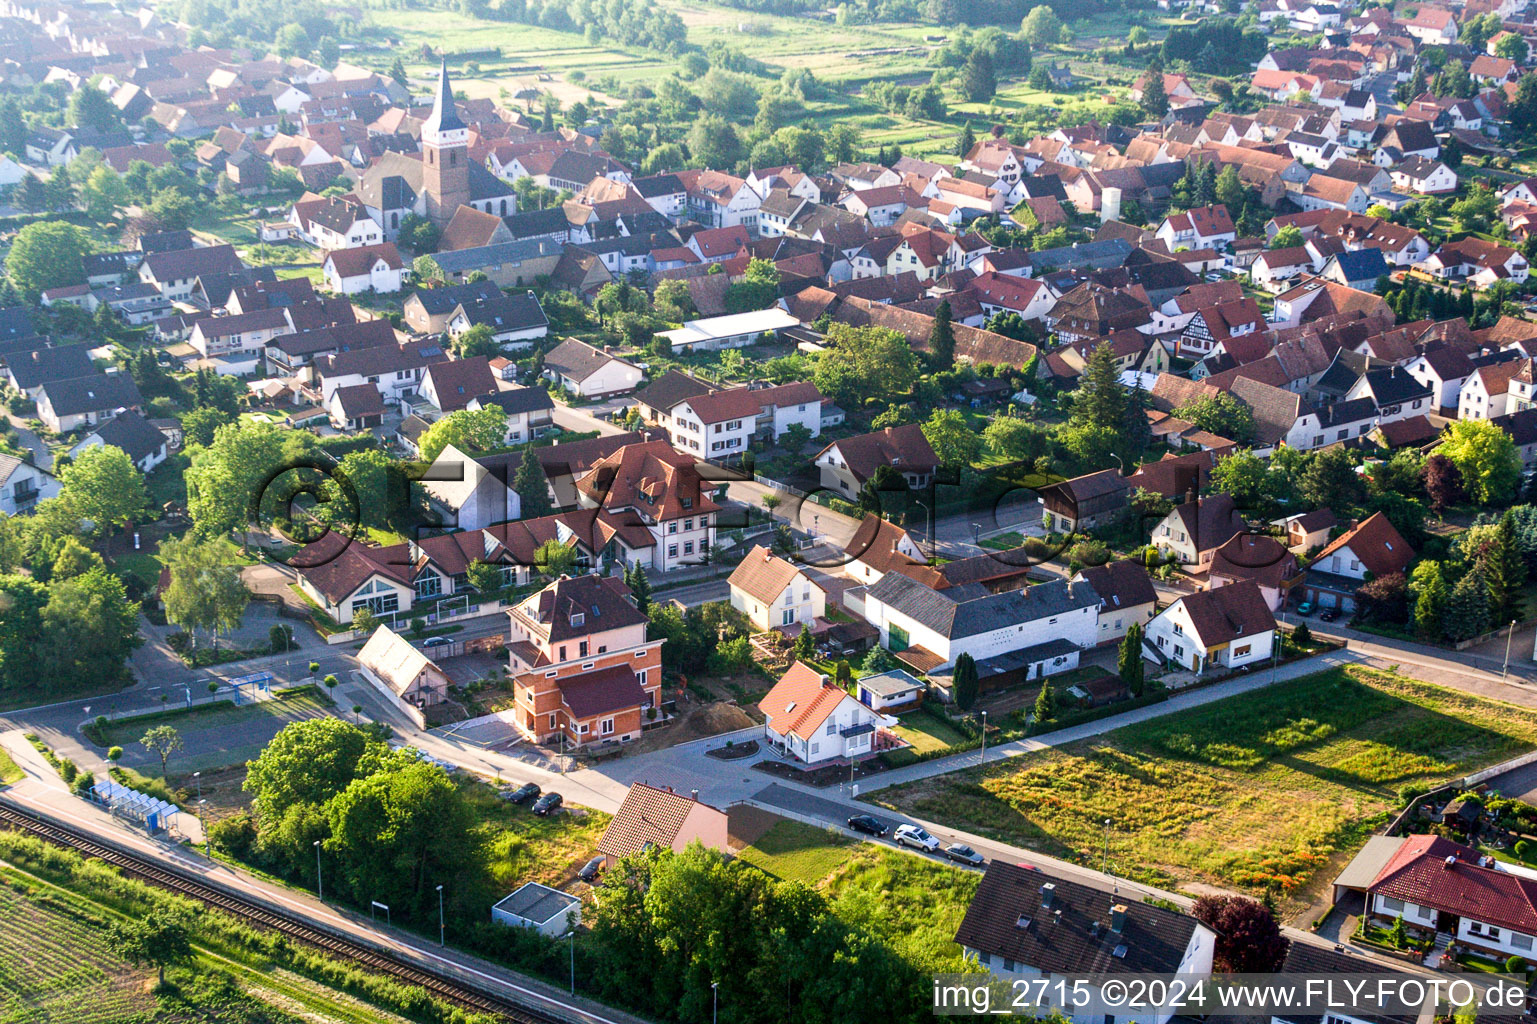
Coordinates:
column 179, row 642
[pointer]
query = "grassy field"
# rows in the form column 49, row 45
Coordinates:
column 912, row 903
column 797, row 852
column 528, row 848
column 55, row 966
column 1252, row 792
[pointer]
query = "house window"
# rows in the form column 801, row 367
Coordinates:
column 1242, row 652
column 788, row 617
column 563, row 652
column 606, row 727
column 832, row 727
column 688, row 524
column 1520, row 941
column 552, row 721
column 672, row 551
column 688, row 547
column 815, row 747
column 581, row 649
column 1393, row 906
column 1179, row 652
column 672, row 527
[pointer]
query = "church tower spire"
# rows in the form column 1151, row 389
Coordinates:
column 445, row 158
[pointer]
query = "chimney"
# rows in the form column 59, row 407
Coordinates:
column 1118, row 918
column 693, row 795
column 1451, row 861
column 1048, row 893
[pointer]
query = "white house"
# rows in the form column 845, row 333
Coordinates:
column 1023, row 634
column 1222, row 629
column 23, row 485
column 1192, row 532
column 1205, row 227
column 722, row 424
column 814, row 720
column 585, row 371
column 375, row 268
column 143, row 442
column 773, row 592
column 1485, row 394
column 467, row 494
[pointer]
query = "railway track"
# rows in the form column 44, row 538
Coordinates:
column 145, row 869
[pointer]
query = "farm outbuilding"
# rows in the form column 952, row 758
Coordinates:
column 548, row 911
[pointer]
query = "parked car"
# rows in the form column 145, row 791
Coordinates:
column 916, row 837
column 1329, row 614
column 547, row 803
column 1305, row 608
column 436, row 641
column 589, row 872
column 870, row 826
column 964, row 854
column 524, row 793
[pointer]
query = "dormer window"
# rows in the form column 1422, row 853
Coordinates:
column 577, row 618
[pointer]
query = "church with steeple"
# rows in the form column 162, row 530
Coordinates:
column 438, row 183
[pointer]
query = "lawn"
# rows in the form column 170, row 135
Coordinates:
column 927, row 732
column 797, row 852
column 9, row 771
column 1251, row 792
column 1004, row 541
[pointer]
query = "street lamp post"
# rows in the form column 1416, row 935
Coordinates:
column 206, row 848
column 976, row 535
column 1104, row 863
column 1509, row 632
column 320, row 883
column 571, row 934
column 440, row 917
column 198, row 778
column 984, row 739
column 715, row 1002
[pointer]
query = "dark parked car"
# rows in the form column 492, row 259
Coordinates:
column 524, row 793
column 589, row 872
column 868, row 825
column 547, row 803
column 964, row 854
column 1329, row 614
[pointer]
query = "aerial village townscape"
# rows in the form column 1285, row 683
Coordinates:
column 737, row 510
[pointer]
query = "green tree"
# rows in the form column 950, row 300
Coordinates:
column 1330, row 480
column 103, row 194
column 1428, row 585
column 1246, row 477
column 198, row 426
column 377, row 485
column 397, row 832
column 758, row 289
column 162, row 741
column 309, row 762
column 159, row 939
column 1155, row 100
column 640, row 586
column 532, row 488
column 978, row 81
column 1129, row 660
column 47, row 254
column 942, row 337
column 229, row 481
column 484, row 576
column 1221, row 414
column 1486, row 458
column 469, row 431
column 964, row 682
column 865, row 363
column 1288, row 237
column 1041, row 27
column 1045, row 703
column 21, row 629
column 951, row 437
column 554, row 559
column 88, row 628
column 1512, row 47
column 477, row 341
column 1100, row 401
column 714, row 142
column 103, row 487
column 1467, row 610
column 205, row 591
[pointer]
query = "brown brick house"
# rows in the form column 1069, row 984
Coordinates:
column 582, row 665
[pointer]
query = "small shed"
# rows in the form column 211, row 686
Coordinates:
column 1099, row 691
column 892, row 689
column 548, row 911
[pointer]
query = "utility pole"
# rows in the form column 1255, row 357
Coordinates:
column 320, row 885
column 1509, row 632
column 440, row 917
